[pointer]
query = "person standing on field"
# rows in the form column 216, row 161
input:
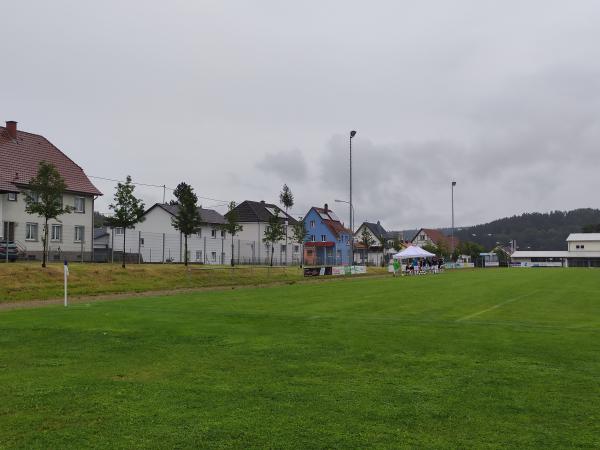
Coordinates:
column 396, row 267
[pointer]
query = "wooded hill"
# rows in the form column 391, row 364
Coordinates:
column 533, row 231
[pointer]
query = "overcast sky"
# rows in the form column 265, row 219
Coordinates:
column 239, row 97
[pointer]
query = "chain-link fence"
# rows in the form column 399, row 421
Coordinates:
column 146, row 247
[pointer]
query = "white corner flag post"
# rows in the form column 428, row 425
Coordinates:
column 66, row 276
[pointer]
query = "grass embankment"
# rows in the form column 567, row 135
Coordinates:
column 29, row 281
column 480, row 359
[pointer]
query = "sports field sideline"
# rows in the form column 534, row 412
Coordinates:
column 480, row 359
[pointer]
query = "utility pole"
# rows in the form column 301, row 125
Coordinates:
column 452, row 237
column 352, row 134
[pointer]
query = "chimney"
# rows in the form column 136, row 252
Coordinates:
column 326, row 208
column 11, row 127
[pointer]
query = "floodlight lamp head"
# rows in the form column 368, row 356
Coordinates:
column 454, row 183
column 352, row 134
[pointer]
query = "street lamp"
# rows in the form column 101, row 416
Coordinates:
column 352, row 134
column 352, row 221
column 351, row 207
column 453, row 184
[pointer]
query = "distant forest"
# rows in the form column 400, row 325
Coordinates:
column 533, row 231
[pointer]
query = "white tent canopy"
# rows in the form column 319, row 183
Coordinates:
column 413, row 252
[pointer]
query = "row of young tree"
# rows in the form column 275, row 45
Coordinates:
column 46, row 190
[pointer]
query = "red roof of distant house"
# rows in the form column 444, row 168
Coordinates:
column 20, row 158
column 437, row 236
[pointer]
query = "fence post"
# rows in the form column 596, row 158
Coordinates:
column 163, row 248
column 139, row 247
column 112, row 245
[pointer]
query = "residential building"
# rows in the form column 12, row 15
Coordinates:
column 379, row 253
column 254, row 218
column 328, row 240
column 430, row 236
column 70, row 236
column 155, row 239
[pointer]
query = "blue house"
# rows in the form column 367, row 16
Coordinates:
column 328, row 241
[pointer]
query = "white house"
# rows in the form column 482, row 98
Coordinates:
column 155, row 239
column 378, row 253
column 254, row 218
column 70, row 237
column 583, row 250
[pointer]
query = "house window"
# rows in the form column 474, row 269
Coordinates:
column 31, row 231
column 34, row 197
column 312, row 238
column 56, row 233
column 79, row 204
column 312, row 223
column 141, row 241
column 199, row 233
column 119, row 231
column 323, row 238
column 582, row 246
column 222, row 233
column 296, row 248
column 79, row 233
column 283, row 248
column 213, row 256
column 198, row 255
column 213, row 233
column 12, row 196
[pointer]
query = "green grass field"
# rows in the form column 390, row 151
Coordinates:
column 28, row 281
column 473, row 359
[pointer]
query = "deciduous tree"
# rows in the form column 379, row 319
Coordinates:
column 187, row 220
column 286, row 198
column 45, row 198
column 299, row 236
column 366, row 240
column 128, row 210
column 232, row 226
column 273, row 233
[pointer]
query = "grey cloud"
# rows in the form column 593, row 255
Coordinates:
column 507, row 104
column 289, row 165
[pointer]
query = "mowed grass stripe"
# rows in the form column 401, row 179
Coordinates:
column 491, row 308
column 350, row 364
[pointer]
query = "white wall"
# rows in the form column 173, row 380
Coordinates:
column 588, row 246
column 156, row 240
column 14, row 211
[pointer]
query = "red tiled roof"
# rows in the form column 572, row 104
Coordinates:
column 437, row 236
column 20, row 158
column 336, row 227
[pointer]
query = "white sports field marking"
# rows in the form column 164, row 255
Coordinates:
column 470, row 316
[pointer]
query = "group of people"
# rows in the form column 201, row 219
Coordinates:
column 419, row 266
